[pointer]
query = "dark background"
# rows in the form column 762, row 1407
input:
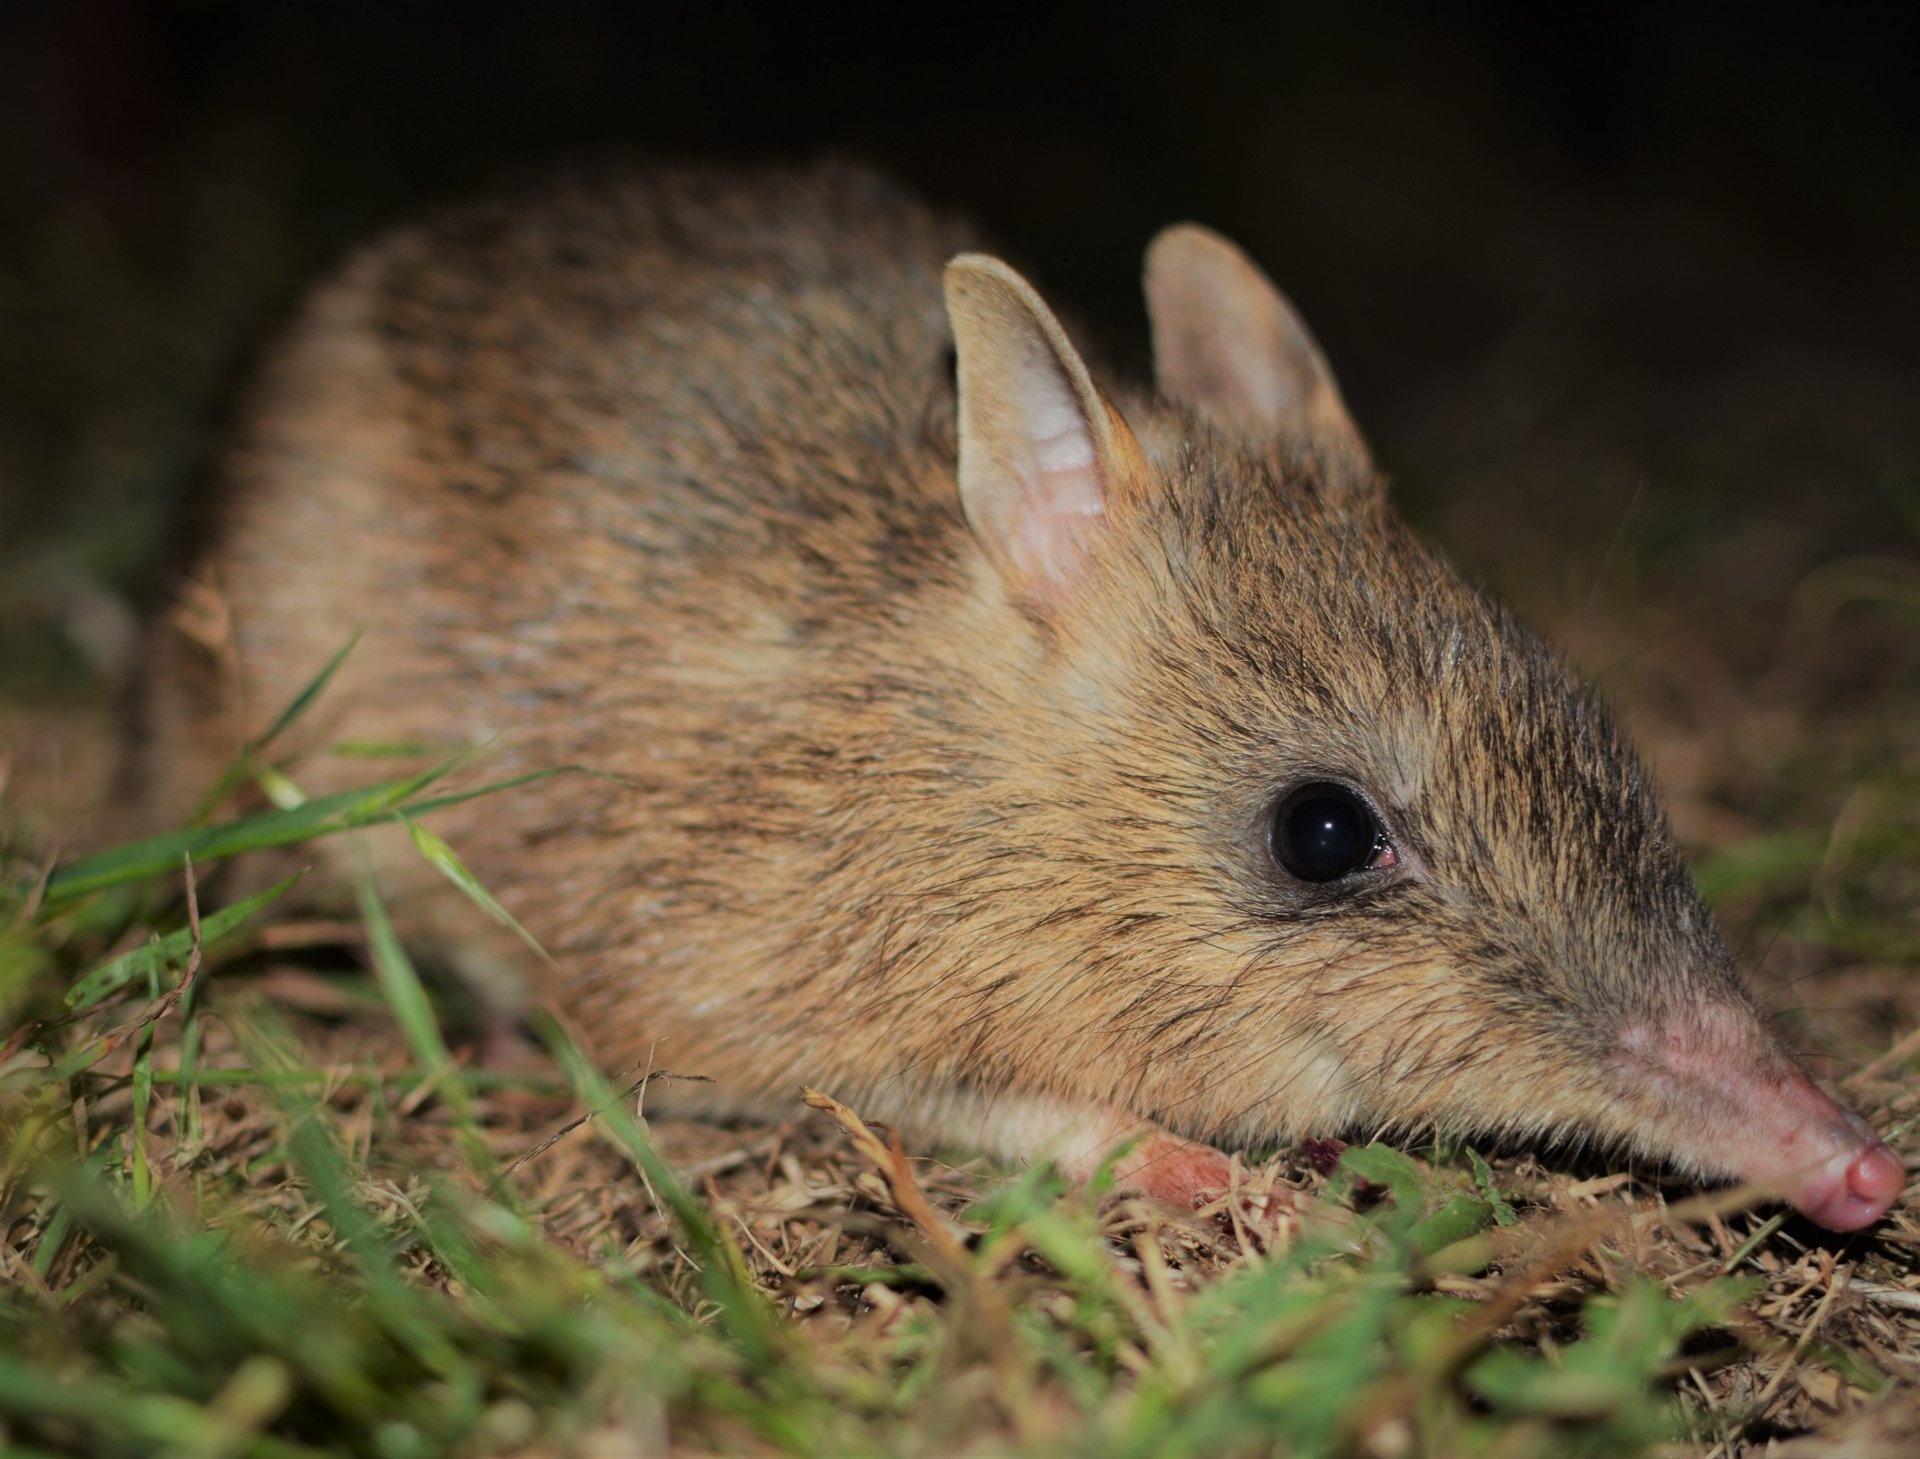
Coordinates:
column 1627, row 300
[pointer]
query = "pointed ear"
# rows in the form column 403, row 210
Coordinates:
column 1041, row 451
column 1228, row 344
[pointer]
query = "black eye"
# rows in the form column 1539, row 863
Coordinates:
column 1323, row 832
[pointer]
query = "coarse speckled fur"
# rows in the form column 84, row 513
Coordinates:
column 654, row 474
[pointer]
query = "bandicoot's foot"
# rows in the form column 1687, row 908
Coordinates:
column 1196, row 1177
column 1180, row 1172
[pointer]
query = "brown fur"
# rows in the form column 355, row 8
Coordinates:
column 656, row 475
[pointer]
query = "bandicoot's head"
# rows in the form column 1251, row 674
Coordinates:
column 1319, row 836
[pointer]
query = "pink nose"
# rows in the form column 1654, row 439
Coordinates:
column 1853, row 1190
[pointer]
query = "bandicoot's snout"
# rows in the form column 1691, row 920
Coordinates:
column 1735, row 1102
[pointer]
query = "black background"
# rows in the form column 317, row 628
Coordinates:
column 1641, row 274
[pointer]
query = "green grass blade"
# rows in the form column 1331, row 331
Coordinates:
column 401, row 984
column 326, row 815
column 723, row 1270
column 243, row 765
column 303, row 701
column 141, row 1163
column 445, row 860
column 139, row 860
column 440, row 802
column 161, row 952
column 413, row 1011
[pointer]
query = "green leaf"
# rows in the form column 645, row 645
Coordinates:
column 1520, row 1384
column 1461, row 1217
column 1503, row 1213
column 1385, row 1166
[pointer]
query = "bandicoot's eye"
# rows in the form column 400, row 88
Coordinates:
column 1324, row 831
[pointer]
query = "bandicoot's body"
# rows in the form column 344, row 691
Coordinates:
column 1030, row 762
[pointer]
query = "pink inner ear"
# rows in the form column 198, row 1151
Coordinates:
column 1053, row 534
column 1044, row 486
column 1271, row 381
column 1061, row 495
column 1037, row 442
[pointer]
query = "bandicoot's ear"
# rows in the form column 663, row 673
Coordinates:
column 1227, row 343
column 1041, row 451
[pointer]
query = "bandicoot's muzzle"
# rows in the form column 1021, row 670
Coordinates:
column 1732, row 1101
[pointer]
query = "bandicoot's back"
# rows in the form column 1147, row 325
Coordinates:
column 585, row 474
column 496, row 438
column 1032, row 763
